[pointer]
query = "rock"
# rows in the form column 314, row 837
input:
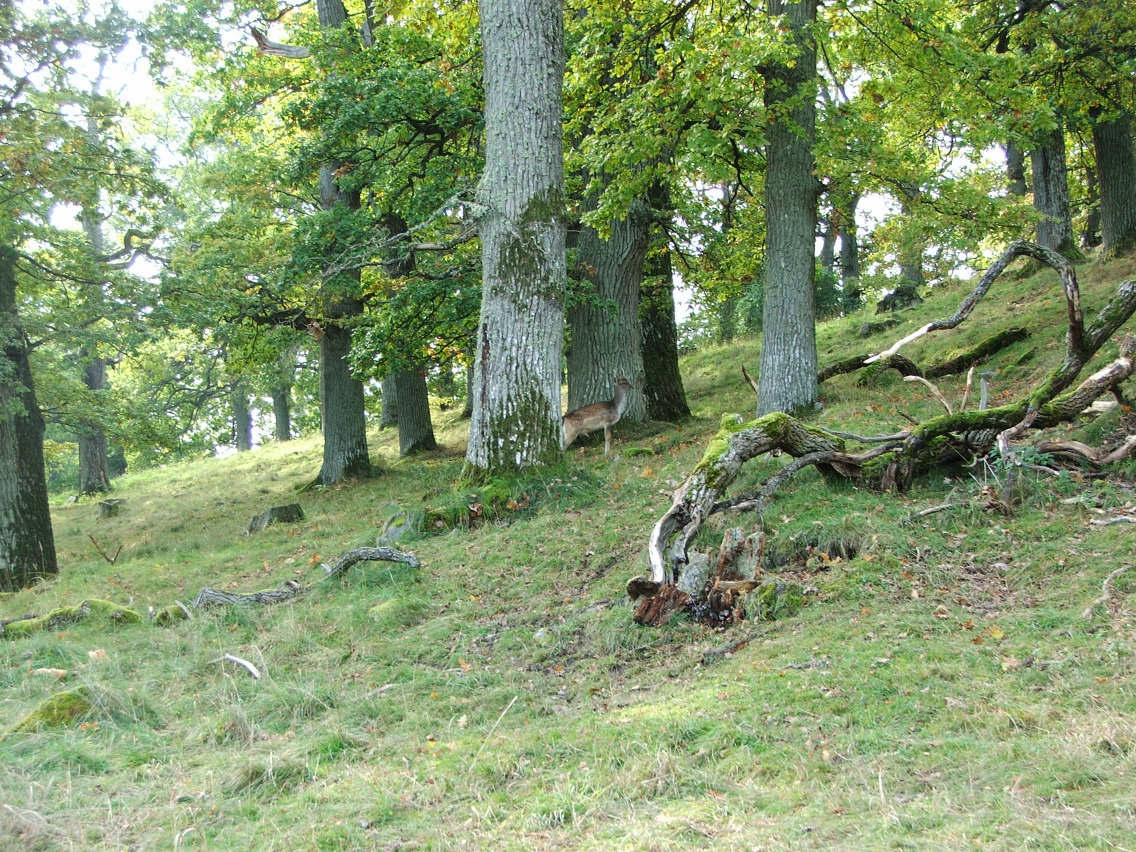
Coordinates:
column 903, row 296
column 870, row 328
column 58, row 711
column 276, row 515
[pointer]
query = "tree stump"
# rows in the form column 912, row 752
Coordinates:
column 276, row 515
column 110, row 508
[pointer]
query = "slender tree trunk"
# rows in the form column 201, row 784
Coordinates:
column 27, row 545
column 606, row 343
column 1116, row 166
column 1051, row 195
column 911, row 252
column 828, row 246
column 389, row 415
column 467, row 411
column 850, row 255
column 516, row 404
column 341, row 395
column 788, row 351
column 415, row 430
column 282, row 411
column 93, row 478
column 1091, row 235
column 242, row 417
column 662, row 382
column 1015, row 170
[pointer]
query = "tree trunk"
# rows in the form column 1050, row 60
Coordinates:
column 606, row 342
column 341, row 395
column 242, row 417
column 1051, row 195
column 467, row 409
column 662, row 383
column 911, row 253
column 282, row 411
column 93, row 476
column 850, row 254
column 788, row 350
column 415, row 431
column 828, row 247
column 516, row 400
column 1116, row 167
column 389, row 415
column 1015, row 170
column 27, row 545
column 342, row 402
column 1091, row 235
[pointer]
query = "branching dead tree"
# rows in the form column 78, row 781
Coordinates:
column 678, row 579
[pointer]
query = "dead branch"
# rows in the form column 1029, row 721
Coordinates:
column 291, row 589
column 1015, row 250
column 1106, row 591
column 275, row 48
column 253, row 671
column 957, row 437
column 103, row 553
column 938, row 393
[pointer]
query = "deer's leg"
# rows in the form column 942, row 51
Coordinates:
column 607, row 440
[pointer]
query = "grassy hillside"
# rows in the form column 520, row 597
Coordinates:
column 943, row 689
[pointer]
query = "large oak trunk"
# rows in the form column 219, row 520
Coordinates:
column 1116, row 168
column 415, row 430
column 516, row 394
column 27, row 545
column 788, row 349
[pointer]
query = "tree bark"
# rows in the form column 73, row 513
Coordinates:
column 1015, row 169
column 93, row 476
column 282, row 411
column 242, row 417
column 415, row 430
column 1116, row 169
column 341, row 395
column 27, row 544
column 606, row 340
column 663, row 392
column 1051, row 195
column 516, row 399
column 911, row 254
column 788, row 350
column 850, row 254
column 389, row 415
column 342, row 403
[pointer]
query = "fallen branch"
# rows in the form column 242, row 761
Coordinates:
column 1108, row 522
column 245, row 664
column 957, row 437
column 103, row 553
column 1106, row 591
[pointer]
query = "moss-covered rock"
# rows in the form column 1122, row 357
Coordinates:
column 58, row 711
column 170, row 615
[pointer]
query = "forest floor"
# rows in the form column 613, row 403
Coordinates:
column 961, row 679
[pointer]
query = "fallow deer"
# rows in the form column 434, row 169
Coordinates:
column 599, row 414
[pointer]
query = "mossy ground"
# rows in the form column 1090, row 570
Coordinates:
column 942, row 689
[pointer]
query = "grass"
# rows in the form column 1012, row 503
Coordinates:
column 942, row 690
